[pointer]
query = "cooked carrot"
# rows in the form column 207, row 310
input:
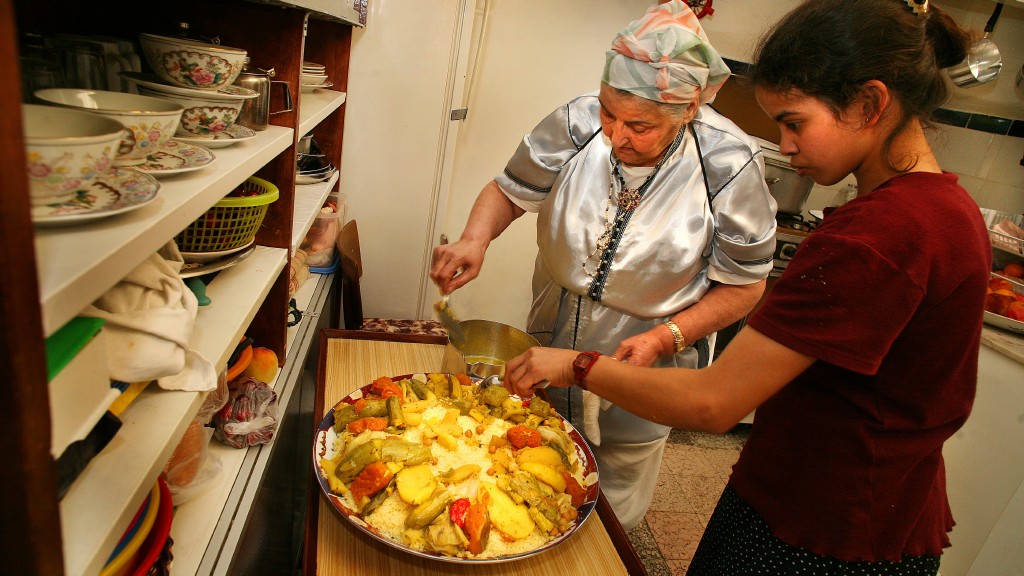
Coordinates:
column 374, row 478
column 385, row 387
column 574, row 490
column 477, row 525
column 520, row 436
column 464, row 379
column 368, row 423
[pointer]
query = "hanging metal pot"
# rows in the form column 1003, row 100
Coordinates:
column 983, row 61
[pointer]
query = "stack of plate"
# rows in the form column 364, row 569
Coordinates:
column 314, row 76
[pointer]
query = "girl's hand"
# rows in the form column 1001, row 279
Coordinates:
column 532, row 368
column 454, row 265
column 641, row 350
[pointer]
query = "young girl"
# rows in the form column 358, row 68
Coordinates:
column 863, row 359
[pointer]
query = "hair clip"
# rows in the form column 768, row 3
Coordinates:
column 918, row 7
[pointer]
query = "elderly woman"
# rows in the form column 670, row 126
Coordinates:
column 655, row 229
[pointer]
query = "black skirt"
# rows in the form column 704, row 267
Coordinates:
column 737, row 542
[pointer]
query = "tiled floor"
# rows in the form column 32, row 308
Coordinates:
column 693, row 474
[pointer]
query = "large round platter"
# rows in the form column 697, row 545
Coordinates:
column 323, row 447
column 208, row 257
column 120, row 190
column 192, row 269
column 307, row 88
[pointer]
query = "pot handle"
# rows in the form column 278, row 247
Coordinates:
column 286, row 92
column 991, row 24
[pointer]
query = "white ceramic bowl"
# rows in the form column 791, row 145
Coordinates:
column 191, row 63
column 149, row 122
column 66, row 150
column 313, row 79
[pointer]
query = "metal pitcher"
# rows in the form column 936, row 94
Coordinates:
column 256, row 111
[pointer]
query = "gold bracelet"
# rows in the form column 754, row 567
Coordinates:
column 677, row 336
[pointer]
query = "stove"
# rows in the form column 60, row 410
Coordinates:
column 790, row 231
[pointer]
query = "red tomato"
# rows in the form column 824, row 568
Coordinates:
column 457, row 511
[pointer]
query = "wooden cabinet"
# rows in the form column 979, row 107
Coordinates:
column 51, row 274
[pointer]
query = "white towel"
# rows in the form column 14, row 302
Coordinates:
column 149, row 318
column 592, row 407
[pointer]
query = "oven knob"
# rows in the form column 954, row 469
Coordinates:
column 788, row 250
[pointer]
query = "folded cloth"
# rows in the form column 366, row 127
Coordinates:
column 149, row 318
column 592, row 407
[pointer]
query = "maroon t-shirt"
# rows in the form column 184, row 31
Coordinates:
column 887, row 294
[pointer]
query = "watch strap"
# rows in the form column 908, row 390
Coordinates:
column 582, row 365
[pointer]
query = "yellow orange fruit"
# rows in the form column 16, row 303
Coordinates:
column 1014, row 270
column 996, row 283
column 263, row 366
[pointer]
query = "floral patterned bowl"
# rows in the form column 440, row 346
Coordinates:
column 206, row 113
column 149, row 122
column 191, row 63
column 66, row 150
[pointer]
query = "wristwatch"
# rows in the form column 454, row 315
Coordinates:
column 581, row 366
column 677, row 336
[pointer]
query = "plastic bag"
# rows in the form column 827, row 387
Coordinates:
column 192, row 467
column 215, row 400
column 251, row 415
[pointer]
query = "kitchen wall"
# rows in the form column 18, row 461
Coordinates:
column 411, row 173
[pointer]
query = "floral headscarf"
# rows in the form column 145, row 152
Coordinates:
column 666, row 57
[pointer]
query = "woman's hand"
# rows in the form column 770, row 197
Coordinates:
column 643, row 349
column 531, row 368
column 454, row 265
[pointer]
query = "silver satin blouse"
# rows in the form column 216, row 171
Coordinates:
column 682, row 236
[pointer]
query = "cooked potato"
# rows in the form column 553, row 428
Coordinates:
column 448, row 441
column 513, row 520
column 540, row 454
column 545, row 474
column 415, row 483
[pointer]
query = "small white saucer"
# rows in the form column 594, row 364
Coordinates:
column 120, row 190
column 176, row 157
column 310, row 87
column 206, row 257
column 234, row 134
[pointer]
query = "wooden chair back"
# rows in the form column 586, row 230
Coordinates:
column 351, row 270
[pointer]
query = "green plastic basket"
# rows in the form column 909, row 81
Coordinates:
column 232, row 222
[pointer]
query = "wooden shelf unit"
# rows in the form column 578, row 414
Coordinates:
column 53, row 273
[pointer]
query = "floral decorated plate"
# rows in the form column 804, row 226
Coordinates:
column 120, row 190
column 234, row 134
column 176, row 157
column 449, row 454
column 231, row 91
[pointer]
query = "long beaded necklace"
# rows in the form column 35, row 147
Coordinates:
column 628, row 199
